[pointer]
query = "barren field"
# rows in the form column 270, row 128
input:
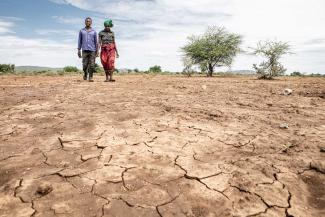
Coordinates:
column 161, row 146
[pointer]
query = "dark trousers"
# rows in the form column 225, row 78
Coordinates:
column 88, row 63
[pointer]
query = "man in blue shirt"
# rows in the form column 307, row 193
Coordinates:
column 87, row 42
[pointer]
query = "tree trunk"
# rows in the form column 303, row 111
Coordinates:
column 210, row 72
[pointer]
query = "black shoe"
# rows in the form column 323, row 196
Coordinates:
column 91, row 80
column 85, row 78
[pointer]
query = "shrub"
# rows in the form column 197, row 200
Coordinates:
column 7, row 68
column 296, row 74
column 155, row 69
column 273, row 51
column 98, row 68
column 70, row 69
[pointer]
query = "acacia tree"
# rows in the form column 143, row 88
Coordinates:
column 273, row 51
column 215, row 48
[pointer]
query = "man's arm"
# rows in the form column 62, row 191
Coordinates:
column 79, row 44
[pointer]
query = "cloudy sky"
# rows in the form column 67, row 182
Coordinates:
column 150, row 32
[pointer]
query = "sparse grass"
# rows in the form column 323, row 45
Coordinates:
column 102, row 73
column 43, row 72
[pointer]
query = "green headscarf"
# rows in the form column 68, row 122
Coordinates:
column 108, row 23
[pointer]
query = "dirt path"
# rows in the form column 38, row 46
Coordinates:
column 161, row 146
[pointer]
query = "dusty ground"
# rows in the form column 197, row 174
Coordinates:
column 161, row 146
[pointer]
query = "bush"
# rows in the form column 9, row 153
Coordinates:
column 296, row 74
column 98, row 68
column 70, row 69
column 155, row 69
column 60, row 72
column 7, row 68
column 272, row 51
column 317, row 75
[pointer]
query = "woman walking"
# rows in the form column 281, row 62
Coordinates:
column 109, row 51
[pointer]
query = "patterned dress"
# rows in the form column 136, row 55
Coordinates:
column 107, row 55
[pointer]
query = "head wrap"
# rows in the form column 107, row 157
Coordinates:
column 108, row 23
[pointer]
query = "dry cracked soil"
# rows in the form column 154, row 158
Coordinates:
column 161, row 146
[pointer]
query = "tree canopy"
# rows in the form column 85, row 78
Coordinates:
column 215, row 48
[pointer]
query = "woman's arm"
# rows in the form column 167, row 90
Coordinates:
column 117, row 55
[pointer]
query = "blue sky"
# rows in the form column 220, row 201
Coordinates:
column 150, row 32
column 33, row 16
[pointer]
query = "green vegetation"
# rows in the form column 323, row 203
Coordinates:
column 70, row 69
column 296, row 74
column 316, row 75
column 99, row 69
column 273, row 51
column 215, row 48
column 155, row 69
column 7, row 68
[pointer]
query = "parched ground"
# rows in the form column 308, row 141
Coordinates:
column 161, row 146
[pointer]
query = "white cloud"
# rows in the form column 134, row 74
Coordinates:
column 293, row 21
column 11, row 18
column 51, row 32
column 40, row 52
column 6, row 27
column 68, row 20
column 59, row 1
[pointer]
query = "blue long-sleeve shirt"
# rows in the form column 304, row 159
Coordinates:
column 87, row 40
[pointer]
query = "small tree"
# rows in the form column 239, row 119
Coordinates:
column 155, row 69
column 215, row 48
column 273, row 51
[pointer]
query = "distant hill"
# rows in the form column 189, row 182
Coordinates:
column 35, row 69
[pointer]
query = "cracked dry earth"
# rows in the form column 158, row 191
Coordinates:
column 161, row 146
